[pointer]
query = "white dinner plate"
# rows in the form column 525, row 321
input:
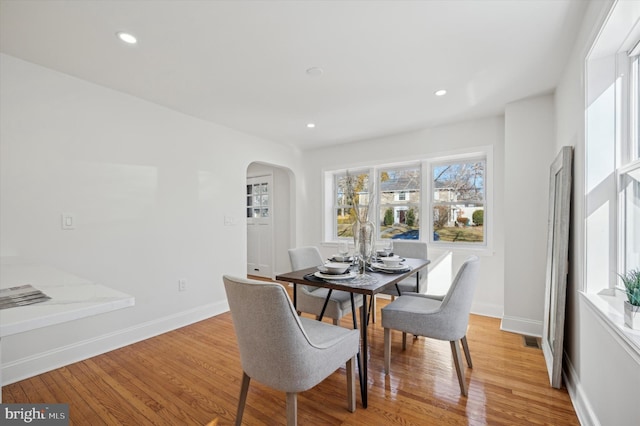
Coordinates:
column 384, row 267
column 341, row 259
column 346, row 276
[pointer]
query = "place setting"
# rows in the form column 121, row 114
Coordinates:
column 343, row 255
column 335, row 271
column 386, row 261
column 389, row 264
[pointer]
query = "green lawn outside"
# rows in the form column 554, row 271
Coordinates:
column 471, row 234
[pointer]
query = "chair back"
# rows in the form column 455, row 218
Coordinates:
column 268, row 330
column 416, row 250
column 303, row 258
column 456, row 304
column 406, row 248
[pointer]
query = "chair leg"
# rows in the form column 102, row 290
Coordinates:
column 351, row 384
column 404, row 341
column 292, row 409
column 244, row 389
column 387, row 350
column 457, row 360
column 336, row 321
column 467, row 354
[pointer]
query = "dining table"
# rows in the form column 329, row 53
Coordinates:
column 377, row 281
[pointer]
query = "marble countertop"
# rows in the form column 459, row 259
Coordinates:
column 72, row 297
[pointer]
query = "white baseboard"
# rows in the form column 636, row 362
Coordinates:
column 487, row 310
column 524, row 326
column 581, row 405
column 46, row 361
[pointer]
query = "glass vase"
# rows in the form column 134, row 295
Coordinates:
column 363, row 239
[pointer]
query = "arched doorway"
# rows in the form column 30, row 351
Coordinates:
column 269, row 219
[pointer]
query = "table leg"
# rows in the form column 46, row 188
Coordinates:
column 295, row 295
column 358, row 357
column 364, row 316
column 324, row 307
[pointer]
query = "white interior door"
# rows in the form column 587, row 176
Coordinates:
column 259, row 197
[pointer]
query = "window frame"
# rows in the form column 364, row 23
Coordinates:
column 464, row 159
column 484, row 153
column 334, row 178
column 627, row 150
column 400, row 203
column 601, row 248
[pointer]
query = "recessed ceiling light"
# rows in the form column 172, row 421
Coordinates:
column 127, row 38
column 440, row 92
column 315, row 71
column 311, row 125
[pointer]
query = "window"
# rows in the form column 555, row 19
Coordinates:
column 612, row 170
column 344, row 212
column 454, row 212
column 399, row 202
column 630, row 219
column 257, row 198
column 629, row 172
column 458, row 201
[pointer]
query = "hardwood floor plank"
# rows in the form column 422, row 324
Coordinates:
column 192, row 375
column 79, row 412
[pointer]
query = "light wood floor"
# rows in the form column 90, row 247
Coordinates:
column 191, row 376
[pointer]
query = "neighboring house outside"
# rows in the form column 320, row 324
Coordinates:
column 446, row 202
column 400, row 195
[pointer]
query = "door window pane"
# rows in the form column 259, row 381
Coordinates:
column 258, row 200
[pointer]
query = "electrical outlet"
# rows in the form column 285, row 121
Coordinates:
column 182, row 285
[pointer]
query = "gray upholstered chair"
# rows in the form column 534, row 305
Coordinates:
column 443, row 318
column 310, row 299
column 416, row 250
column 282, row 350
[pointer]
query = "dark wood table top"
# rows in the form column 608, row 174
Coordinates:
column 383, row 279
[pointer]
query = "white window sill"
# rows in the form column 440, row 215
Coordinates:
column 480, row 250
column 609, row 306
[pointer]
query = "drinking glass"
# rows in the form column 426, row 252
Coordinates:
column 343, row 249
column 388, row 247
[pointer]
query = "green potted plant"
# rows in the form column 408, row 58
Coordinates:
column 631, row 281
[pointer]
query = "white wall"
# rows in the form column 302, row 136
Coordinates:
column 529, row 151
column 601, row 375
column 149, row 187
column 415, row 146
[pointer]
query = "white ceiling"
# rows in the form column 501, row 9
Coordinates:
column 243, row 64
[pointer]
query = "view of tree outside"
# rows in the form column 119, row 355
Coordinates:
column 345, row 213
column 458, row 201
